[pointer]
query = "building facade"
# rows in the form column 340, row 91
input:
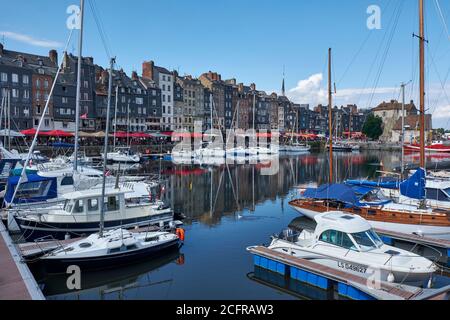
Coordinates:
column 164, row 79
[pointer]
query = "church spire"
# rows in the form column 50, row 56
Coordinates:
column 283, row 91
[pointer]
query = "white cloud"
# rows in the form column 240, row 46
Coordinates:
column 30, row 40
column 309, row 90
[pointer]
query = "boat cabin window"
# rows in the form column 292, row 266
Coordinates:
column 93, row 205
column 29, row 190
column 112, row 203
column 79, row 206
column 67, row 181
column 367, row 240
column 436, row 194
column 337, row 238
column 68, row 206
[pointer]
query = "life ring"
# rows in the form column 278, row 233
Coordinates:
column 180, row 233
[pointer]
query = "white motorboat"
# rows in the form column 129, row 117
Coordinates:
column 122, row 155
column 343, row 241
column 108, row 250
column 81, row 215
column 295, row 148
column 210, row 152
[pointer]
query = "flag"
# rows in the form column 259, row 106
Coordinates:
column 83, row 116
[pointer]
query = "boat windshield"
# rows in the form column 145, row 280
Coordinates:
column 367, row 240
column 447, row 191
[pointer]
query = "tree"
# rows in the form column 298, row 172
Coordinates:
column 373, row 127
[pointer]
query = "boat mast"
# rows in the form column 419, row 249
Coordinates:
column 78, row 96
column 115, row 115
column 422, row 84
column 330, row 123
column 402, row 169
column 211, row 110
column 9, row 119
column 105, row 150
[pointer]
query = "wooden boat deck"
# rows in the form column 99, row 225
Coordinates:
column 386, row 291
column 16, row 281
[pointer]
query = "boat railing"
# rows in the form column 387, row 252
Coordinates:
column 41, row 242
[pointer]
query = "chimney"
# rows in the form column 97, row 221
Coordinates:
column 105, row 76
column 53, row 55
column 134, row 75
column 253, row 86
column 1, row 49
column 147, row 70
column 241, row 87
column 65, row 61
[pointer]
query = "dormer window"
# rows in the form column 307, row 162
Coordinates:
column 41, row 71
column 40, row 62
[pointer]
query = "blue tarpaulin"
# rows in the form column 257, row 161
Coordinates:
column 34, row 189
column 388, row 184
column 338, row 192
column 414, row 187
column 63, row 145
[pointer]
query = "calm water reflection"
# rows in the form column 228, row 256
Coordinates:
column 228, row 209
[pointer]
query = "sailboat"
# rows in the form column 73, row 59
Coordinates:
column 294, row 147
column 210, row 150
column 392, row 216
column 30, row 198
column 109, row 248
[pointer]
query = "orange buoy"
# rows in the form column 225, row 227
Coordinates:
column 180, row 233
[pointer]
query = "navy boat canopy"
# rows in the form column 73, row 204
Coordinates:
column 382, row 183
column 338, row 192
column 34, row 189
column 414, row 187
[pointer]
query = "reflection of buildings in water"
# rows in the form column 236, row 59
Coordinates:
column 113, row 283
column 241, row 187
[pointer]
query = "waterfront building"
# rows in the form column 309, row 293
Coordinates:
column 20, row 73
column 192, row 101
column 165, row 81
column 133, row 108
column 213, row 81
column 412, row 129
column 390, row 112
column 154, row 102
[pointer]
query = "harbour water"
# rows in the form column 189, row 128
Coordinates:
column 227, row 209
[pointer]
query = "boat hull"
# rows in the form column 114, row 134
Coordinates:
column 60, row 265
column 359, row 268
column 33, row 230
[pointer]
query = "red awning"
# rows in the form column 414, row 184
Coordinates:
column 187, row 135
column 56, row 133
column 122, row 134
column 29, row 132
column 140, row 135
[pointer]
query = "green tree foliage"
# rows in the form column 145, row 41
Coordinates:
column 373, row 127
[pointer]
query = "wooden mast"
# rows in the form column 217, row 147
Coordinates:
column 330, row 120
column 422, row 84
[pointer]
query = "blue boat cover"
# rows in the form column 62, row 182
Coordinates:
column 35, row 189
column 63, row 145
column 388, row 184
column 414, row 187
column 338, row 192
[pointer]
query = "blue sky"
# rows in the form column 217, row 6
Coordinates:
column 251, row 40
